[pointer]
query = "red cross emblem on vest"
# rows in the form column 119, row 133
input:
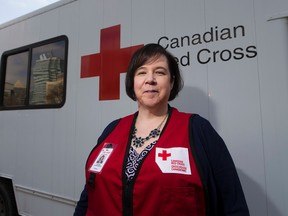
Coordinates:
column 109, row 63
column 164, row 155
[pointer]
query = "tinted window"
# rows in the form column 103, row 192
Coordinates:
column 15, row 86
column 34, row 76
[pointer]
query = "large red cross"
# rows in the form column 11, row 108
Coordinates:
column 164, row 155
column 109, row 63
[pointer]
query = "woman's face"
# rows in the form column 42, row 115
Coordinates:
column 152, row 83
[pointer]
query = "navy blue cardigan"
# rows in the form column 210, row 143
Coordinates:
column 223, row 192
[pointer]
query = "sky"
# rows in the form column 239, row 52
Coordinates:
column 11, row 9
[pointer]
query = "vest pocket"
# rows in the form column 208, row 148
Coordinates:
column 180, row 201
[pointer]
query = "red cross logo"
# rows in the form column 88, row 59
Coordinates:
column 164, row 155
column 109, row 63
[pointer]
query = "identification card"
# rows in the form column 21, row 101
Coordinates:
column 102, row 158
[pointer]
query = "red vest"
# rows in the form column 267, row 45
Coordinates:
column 168, row 192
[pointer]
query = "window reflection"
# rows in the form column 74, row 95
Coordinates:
column 47, row 75
column 16, row 80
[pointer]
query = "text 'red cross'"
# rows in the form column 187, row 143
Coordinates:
column 108, row 64
column 164, row 155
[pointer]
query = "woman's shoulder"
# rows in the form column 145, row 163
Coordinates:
column 197, row 123
column 107, row 130
column 111, row 125
column 201, row 124
column 197, row 119
column 114, row 123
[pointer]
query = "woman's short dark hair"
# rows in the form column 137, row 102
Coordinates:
column 145, row 54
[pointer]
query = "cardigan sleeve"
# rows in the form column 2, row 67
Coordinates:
column 82, row 204
column 222, row 179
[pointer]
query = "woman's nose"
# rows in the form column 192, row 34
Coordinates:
column 150, row 78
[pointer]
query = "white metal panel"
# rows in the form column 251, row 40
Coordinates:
column 113, row 17
column 8, row 146
column 13, row 31
column 148, row 20
column 33, row 205
column 4, row 38
column 274, row 97
column 88, row 118
column 90, row 23
column 32, row 30
column 65, row 118
column 90, row 20
column 49, row 24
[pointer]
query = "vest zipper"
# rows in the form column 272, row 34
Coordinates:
column 128, row 199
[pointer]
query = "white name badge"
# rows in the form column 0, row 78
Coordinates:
column 173, row 160
column 102, row 158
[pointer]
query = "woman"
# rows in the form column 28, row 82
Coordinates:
column 160, row 161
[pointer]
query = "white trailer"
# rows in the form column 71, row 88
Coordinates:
column 62, row 82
